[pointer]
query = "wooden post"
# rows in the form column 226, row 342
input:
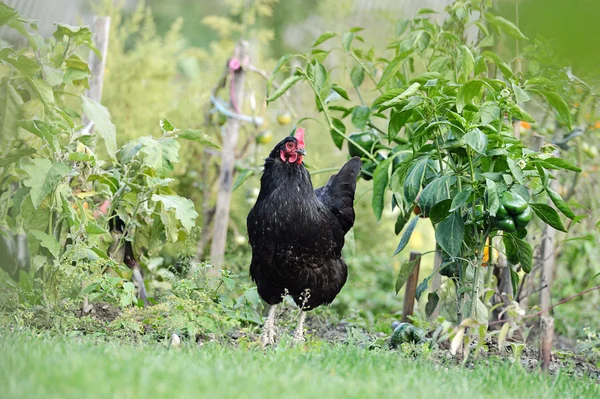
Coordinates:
column 221, row 218
column 547, row 261
column 436, row 281
column 97, row 65
column 411, row 287
column 546, row 338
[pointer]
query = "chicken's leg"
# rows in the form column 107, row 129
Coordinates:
column 299, row 333
column 268, row 335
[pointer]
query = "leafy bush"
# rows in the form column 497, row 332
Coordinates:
column 60, row 197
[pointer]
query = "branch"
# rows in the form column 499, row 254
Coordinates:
column 265, row 75
column 567, row 299
column 222, row 108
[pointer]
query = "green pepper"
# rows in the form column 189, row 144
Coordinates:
column 368, row 167
column 8, row 252
column 365, row 140
column 406, row 332
column 506, row 224
column 513, row 203
column 522, row 219
column 502, row 213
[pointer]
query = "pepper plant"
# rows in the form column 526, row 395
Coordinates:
column 439, row 138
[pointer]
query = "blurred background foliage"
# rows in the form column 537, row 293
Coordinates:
column 165, row 58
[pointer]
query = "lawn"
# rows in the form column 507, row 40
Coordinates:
column 33, row 367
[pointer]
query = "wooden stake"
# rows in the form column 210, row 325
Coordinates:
column 221, row 218
column 97, row 65
column 436, row 281
column 411, row 287
column 546, row 338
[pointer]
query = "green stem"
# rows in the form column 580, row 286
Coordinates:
column 332, row 127
column 366, row 70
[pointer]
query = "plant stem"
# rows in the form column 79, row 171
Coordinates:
column 330, row 123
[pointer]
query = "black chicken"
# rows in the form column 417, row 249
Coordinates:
column 297, row 233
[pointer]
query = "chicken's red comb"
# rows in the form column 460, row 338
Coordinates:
column 299, row 135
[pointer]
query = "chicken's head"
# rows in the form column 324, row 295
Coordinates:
column 291, row 149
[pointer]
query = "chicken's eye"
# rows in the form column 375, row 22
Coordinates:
column 290, row 146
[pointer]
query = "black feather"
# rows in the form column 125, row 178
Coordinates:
column 297, row 233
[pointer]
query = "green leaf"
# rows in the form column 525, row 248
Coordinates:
column 440, row 211
column 199, row 137
column 347, row 38
column 436, row 191
column 99, row 114
column 460, row 199
column 47, row 241
column 360, row 116
column 357, row 75
column 183, row 209
column 52, row 76
column 380, row 183
column 548, row 216
column 515, row 170
column 514, row 278
column 341, row 91
column 7, row 14
column 414, row 178
column 80, row 157
column 412, row 89
column 317, row 74
column 520, row 95
column 477, row 140
column 337, row 138
column 518, row 252
column 558, row 163
column 393, row 67
column 432, row 302
column 285, row 86
column 467, row 92
column 10, row 111
column 93, row 228
column 43, row 176
column 560, row 203
column 404, row 273
column 401, row 221
column 28, row 67
column 559, row 105
column 506, row 26
column 323, row 38
column 15, row 155
column 166, row 126
column 493, row 199
column 450, row 233
column 406, row 236
column 397, row 121
column 160, row 155
column 501, row 65
column 43, row 91
column 519, row 112
column 467, row 63
column 242, row 178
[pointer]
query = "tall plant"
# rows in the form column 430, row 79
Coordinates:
column 438, row 140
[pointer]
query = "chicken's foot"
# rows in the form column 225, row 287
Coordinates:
column 299, row 333
column 268, row 335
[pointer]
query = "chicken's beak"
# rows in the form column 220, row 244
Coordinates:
column 301, row 151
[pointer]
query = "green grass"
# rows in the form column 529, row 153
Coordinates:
column 59, row 368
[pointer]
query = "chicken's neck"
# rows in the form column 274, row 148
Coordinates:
column 289, row 178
